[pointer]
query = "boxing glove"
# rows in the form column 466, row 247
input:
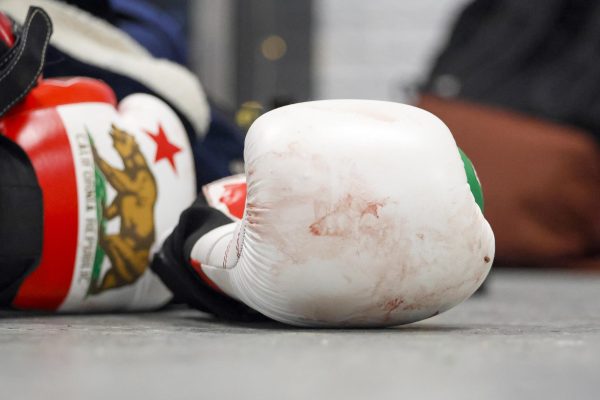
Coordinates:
column 106, row 172
column 357, row 213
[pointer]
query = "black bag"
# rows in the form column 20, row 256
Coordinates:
column 540, row 57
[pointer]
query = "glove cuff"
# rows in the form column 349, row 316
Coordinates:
column 172, row 265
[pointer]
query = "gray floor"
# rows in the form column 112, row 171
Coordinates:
column 531, row 336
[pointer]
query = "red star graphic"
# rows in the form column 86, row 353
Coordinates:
column 164, row 148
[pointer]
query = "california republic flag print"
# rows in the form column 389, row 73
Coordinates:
column 130, row 173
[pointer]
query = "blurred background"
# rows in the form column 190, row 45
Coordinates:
column 517, row 82
column 269, row 50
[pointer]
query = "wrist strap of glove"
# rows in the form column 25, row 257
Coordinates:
column 172, row 265
column 21, row 66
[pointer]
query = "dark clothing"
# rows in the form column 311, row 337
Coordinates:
column 539, row 57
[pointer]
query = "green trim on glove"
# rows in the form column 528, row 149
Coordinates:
column 472, row 179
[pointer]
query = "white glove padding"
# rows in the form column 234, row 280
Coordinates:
column 358, row 213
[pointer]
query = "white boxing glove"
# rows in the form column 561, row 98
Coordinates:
column 358, row 213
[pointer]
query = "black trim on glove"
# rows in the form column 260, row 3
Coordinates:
column 171, row 264
column 21, row 66
column 21, row 219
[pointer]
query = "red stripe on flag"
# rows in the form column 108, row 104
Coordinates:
column 42, row 136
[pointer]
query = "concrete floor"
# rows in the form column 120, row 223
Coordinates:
column 531, row 336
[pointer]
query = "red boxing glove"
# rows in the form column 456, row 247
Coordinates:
column 114, row 179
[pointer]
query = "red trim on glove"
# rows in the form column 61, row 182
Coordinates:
column 198, row 268
column 42, row 135
column 56, row 92
column 36, row 126
column 6, row 32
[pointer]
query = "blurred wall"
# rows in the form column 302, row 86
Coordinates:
column 212, row 47
column 274, row 50
column 376, row 49
column 252, row 49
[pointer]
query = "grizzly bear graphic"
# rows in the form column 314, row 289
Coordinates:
column 128, row 250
